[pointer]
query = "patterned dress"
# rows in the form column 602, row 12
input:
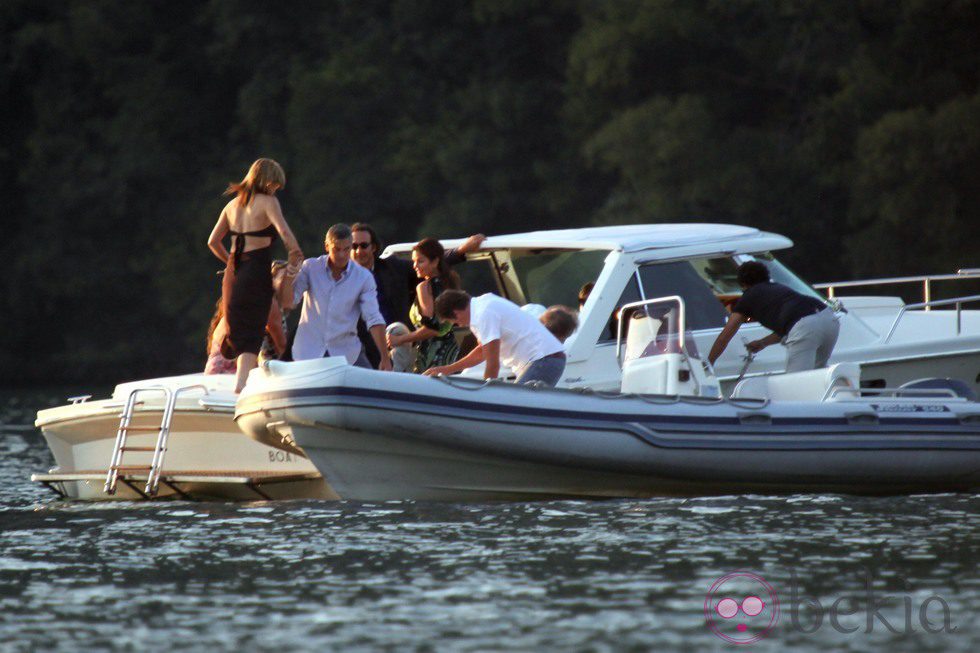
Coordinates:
column 441, row 349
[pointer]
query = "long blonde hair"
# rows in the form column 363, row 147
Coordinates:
column 262, row 174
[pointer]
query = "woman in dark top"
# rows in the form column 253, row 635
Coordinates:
column 254, row 219
column 804, row 324
column 435, row 340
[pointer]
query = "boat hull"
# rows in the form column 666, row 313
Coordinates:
column 207, row 457
column 377, row 437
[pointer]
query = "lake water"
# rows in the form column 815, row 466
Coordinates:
column 573, row 575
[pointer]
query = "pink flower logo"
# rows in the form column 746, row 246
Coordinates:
column 741, row 607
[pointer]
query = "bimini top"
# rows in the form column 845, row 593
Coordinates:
column 627, row 238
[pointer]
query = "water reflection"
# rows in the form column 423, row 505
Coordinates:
column 568, row 575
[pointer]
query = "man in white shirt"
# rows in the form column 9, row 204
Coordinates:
column 335, row 292
column 505, row 333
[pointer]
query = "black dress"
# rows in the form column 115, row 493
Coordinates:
column 247, row 294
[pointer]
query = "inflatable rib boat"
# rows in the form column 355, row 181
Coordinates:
column 391, row 436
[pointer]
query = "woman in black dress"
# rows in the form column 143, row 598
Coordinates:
column 253, row 218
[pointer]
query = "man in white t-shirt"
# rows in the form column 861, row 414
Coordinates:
column 505, row 333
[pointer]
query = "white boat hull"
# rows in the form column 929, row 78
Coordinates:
column 379, row 436
column 207, row 457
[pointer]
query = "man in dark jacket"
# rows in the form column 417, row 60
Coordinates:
column 395, row 278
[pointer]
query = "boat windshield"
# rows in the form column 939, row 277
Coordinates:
column 550, row 277
column 782, row 274
column 655, row 329
column 709, row 286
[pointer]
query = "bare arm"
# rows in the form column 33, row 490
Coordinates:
column 273, row 327
column 427, row 308
column 421, row 333
column 215, row 243
column 762, row 343
column 274, row 211
column 491, row 354
column 721, row 342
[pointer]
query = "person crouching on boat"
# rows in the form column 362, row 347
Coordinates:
column 504, row 332
column 804, row 324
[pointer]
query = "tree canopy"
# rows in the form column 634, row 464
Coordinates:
column 848, row 126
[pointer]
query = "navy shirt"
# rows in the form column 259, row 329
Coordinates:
column 776, row 307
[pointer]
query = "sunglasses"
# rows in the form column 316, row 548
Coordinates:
column 357, row 246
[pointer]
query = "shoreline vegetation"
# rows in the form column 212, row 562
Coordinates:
column 849, row 127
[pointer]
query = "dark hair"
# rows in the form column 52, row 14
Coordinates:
column 339, row 231
column 561, row 321
column 752, row 272
column 584, row 292
column 449, row 302
column 431, row 248
column 219, row 312
column 364, row 226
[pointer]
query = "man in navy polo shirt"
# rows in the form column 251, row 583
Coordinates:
column 804, row 324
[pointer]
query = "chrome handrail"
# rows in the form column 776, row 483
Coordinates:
column 681, row 330
column 942, row 302
column 926, row 281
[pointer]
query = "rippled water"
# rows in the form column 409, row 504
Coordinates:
column 610, row 575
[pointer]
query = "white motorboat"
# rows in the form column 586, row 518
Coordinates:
column 191, row 450
column 893, row 342
column 392, row 436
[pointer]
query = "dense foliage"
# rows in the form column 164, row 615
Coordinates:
column 848, row 125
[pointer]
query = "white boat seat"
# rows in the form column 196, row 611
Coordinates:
column 312, row 366
column 220, row 383
column 811, row 385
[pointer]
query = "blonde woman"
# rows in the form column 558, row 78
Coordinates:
column 253, row 218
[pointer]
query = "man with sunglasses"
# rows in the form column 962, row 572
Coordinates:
column 395, row 279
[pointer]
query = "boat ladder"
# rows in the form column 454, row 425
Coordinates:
column 159, row 450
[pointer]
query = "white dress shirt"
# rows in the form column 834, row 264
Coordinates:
column 331, row 308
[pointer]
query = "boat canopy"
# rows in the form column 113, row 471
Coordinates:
column 631, row 238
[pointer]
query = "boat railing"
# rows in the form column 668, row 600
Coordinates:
column 624, row 311
column 926, row 281
column 958, row 301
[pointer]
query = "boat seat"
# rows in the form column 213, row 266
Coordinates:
column 220, row 383
column 811, row 385
column 281, row 368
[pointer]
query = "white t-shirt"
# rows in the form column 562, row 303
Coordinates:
column 523, row 339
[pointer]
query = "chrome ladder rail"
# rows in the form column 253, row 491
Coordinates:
column 120, row 448
column 154, row 469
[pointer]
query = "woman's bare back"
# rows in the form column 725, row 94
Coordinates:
column 252, row 217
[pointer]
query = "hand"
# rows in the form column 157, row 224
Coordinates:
column 436, row 371
column 385, row 364
column 756, row 345
column 295, row 259
column 472, row 243
column 394, row 340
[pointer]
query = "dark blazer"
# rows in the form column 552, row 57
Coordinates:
column 396, row 281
